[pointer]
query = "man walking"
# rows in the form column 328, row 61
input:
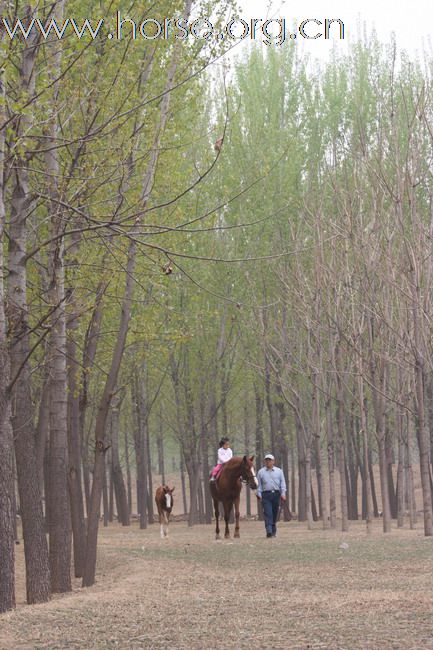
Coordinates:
column 271, row 490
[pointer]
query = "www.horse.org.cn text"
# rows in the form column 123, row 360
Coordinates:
column 274, row 31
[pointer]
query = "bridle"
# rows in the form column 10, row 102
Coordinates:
column 247, row 479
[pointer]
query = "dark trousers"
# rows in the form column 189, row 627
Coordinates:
column 271, row 505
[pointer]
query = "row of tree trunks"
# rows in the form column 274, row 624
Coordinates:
column 101, row 419
column 352, row 496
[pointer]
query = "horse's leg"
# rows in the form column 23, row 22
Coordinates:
column 237, row 501
column 161, row 525
column 228, row 505
column 166, row 523
column 217, row 516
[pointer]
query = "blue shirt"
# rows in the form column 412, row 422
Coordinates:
column 271, row 479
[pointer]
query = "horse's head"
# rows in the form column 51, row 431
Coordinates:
column 168, row 493
column 248, row 472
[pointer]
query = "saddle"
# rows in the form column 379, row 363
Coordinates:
column 216, row 478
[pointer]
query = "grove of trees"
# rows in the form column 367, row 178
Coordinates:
column 159, row 290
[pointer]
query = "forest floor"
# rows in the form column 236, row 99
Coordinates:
column 297, row 591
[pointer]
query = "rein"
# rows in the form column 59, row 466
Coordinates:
column 246, row 480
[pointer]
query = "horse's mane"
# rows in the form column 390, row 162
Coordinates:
column 234, row 460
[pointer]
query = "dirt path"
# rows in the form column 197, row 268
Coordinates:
column 299, row 590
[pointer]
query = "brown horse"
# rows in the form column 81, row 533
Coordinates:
column 227, row 489
column 164, row 503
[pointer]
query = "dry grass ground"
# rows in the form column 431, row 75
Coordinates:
column 299, row 590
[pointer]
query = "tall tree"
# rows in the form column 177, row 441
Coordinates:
column 35, row 543
column 7, row 487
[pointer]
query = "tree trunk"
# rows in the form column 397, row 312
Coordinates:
column 43, row 426
column 350, row 514
column 60, row 519
column 386, row 512
column 7, row 509
column 372, row 483
column 60, row 543
column 366, row 464
column 409, row 475
column 161, row 458
column 379, row 382
column 194, row 480
column 390, row 475
column 128, row 473
column 286, row 470
column 140, row 454
column 105, row 498
column 247, row 452
column 308, row 495
column 183, row 484
column 292, row 480
column 400, row 474
column 341, row 455
column 7, row 487
column 259, row 404
column 322, row 492
column 302, row 479
column 352, row 472
column 313, row 504
column 101, row 422
column 271, row 407
column 343, row 498
column 86, row 473
column 117, row 474
column 47, row 482
column 89, row 354
column 423, row 443
column 150, row 514
column 201, row 513
column 418, row 308
column 204, row 451
column 144, row 480
column 35, row 542
column 331, row 467
column 74, row 456
column 109, row 487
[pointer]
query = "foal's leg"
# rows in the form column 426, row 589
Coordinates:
column 237, row 501
column 161, row 525
column 217, row 516
column 227, row 510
